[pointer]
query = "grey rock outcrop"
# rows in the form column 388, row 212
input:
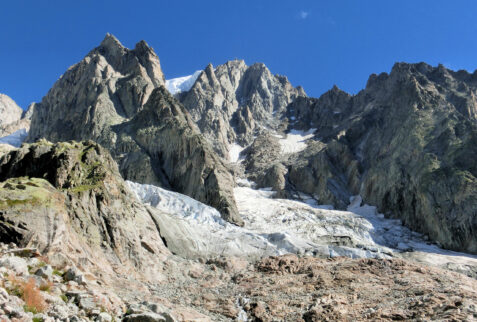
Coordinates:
column 406, row 143
column 262, row 162
column 115, row 96
column 235, row 102
column 69, row 201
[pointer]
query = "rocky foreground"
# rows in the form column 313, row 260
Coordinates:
column 288, row 287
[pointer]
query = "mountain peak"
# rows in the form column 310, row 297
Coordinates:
column 142, row 46
column 110, row 41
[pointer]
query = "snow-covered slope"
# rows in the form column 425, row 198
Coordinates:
column 182, row 84
column 15, row 139
column 234, row 152
column 295, row 140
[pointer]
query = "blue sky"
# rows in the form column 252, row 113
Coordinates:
column 315, row 43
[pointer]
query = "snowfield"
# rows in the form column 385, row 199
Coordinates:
column 234, row 152
column 279, row 226
column 182, row 84
column 295, row 140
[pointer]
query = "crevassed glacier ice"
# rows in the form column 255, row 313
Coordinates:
column 272, row 227
column 278, row 226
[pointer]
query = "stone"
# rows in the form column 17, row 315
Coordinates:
column 419, row 177
column 16, row 264
column 9, row 110
column 75, row 275
column 45, row 271
column 87, row 303
column 143, row 126
column 83, row 191
column 12, row 121
column 4, row 296
column 104, row 317
column 146, row 317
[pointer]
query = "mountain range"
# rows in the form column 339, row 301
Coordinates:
column 134, row 175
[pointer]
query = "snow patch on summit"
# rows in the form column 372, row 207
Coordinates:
column 182, row 84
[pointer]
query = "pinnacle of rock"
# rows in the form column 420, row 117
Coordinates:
column 9, row 110
column 110, row 41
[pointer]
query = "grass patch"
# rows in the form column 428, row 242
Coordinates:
column 31, row 295
column 33, row 298
column 46, row 286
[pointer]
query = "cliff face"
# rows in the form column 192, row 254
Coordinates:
column 407, row 143
column 103, row 98
column 164, row 135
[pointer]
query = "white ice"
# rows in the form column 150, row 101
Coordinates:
column 272, row 226
column 15, row 139
column 182, row 84
column 295, row 140
column 234, row 152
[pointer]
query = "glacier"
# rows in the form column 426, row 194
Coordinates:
column 279, row 226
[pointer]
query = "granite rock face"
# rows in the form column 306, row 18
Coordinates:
column 235, row 102
column 115, row 96
column 406, row 143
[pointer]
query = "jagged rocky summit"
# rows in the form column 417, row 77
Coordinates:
column 116, row 97
column 9, row 110
column 110, row 249
column 234, row 102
